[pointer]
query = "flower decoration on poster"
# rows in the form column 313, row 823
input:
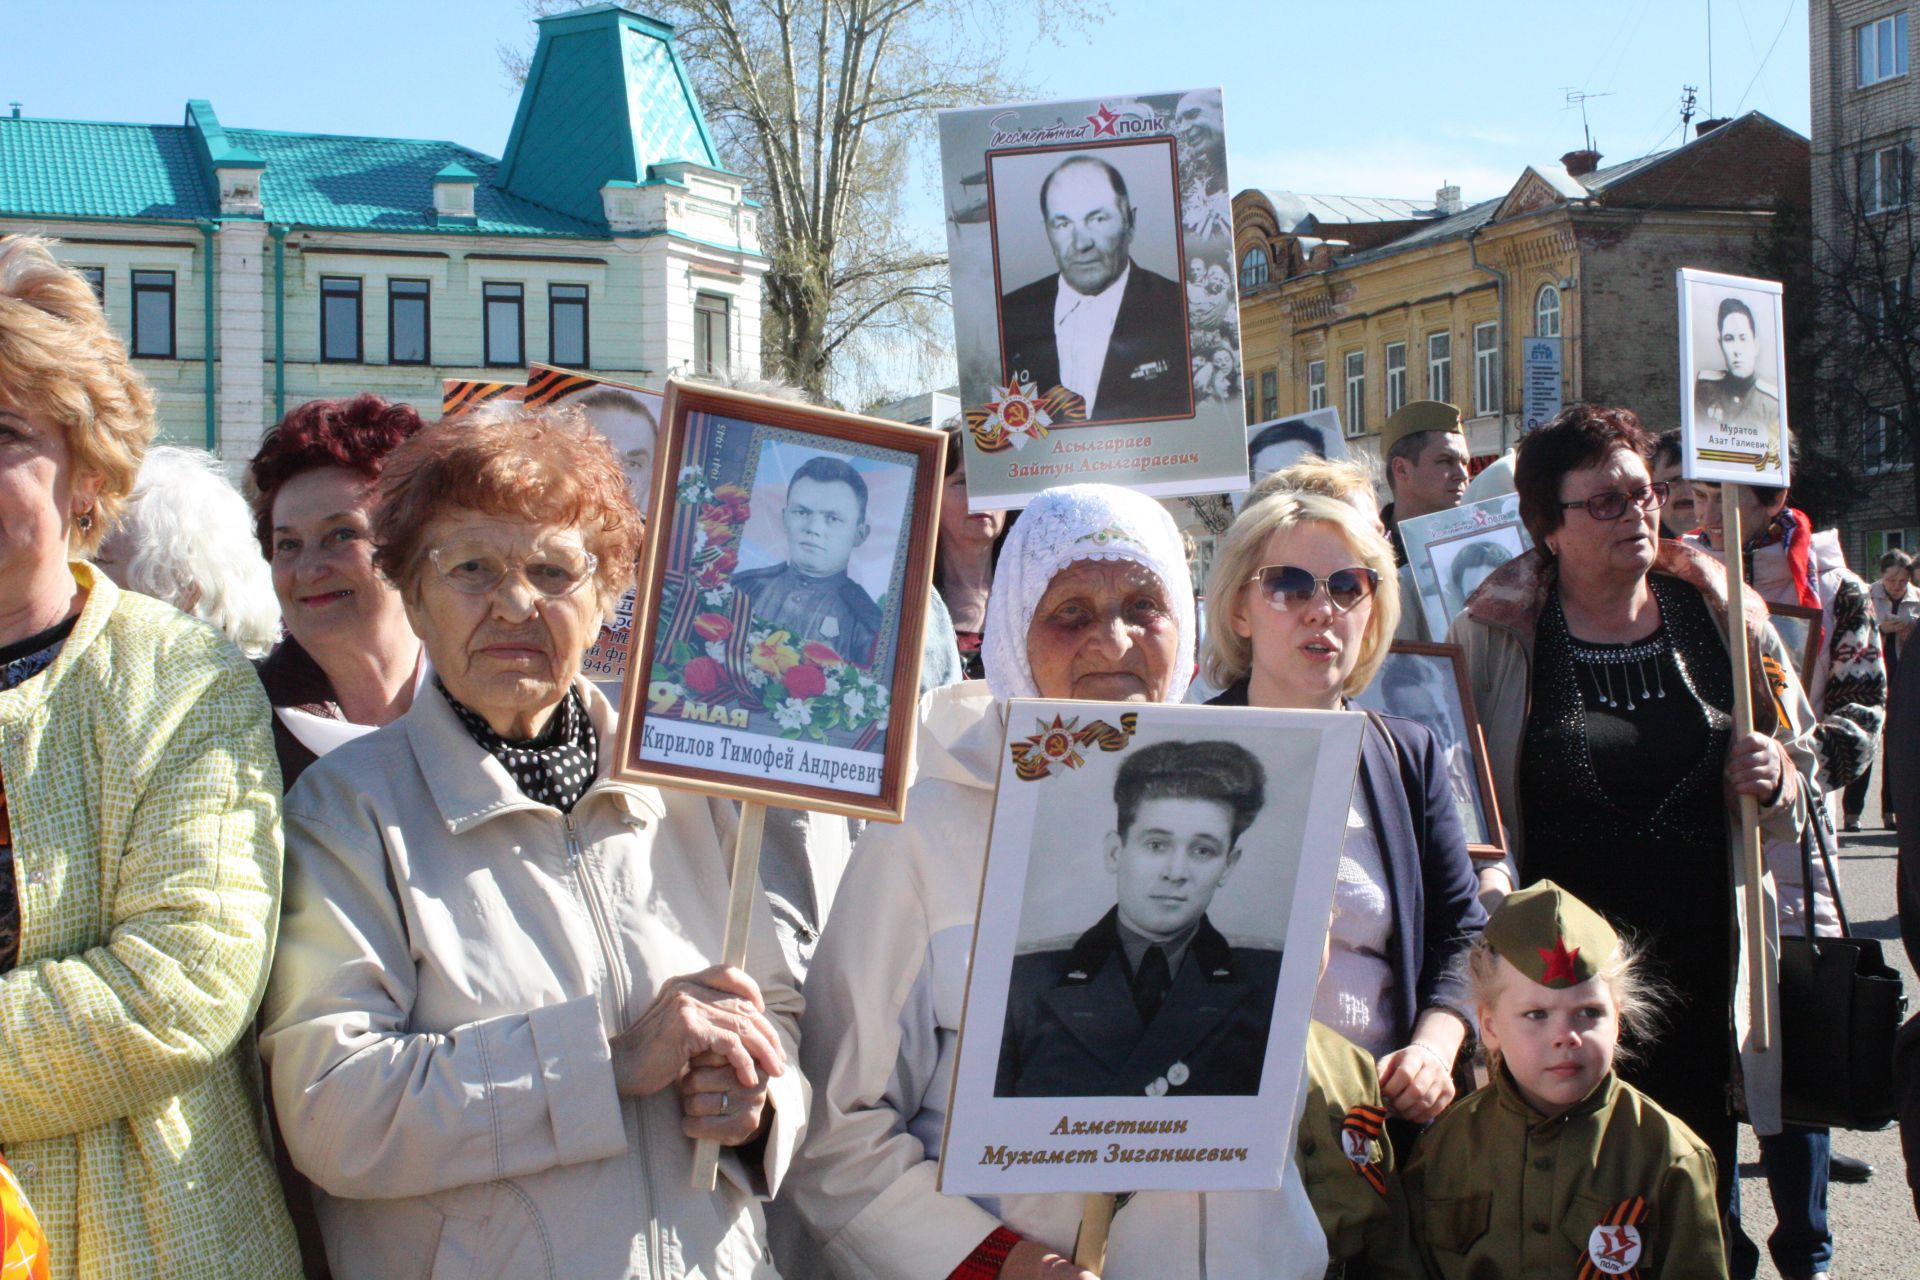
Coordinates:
column 1058, row 745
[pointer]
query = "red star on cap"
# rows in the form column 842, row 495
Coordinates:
column 1103, row 121
column 1559, row 962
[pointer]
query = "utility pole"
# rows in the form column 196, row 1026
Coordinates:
column 1689, row 105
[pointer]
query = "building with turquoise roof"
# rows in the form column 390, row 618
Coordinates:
column 607, row 237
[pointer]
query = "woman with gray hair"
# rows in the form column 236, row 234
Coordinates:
column 186, row 537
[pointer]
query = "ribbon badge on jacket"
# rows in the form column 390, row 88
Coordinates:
column 1615, row 1245
column 1360, row 1140
column 1059, row 743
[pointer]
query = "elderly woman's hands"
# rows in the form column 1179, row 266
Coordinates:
column 1757, row 766
column 717, row 1012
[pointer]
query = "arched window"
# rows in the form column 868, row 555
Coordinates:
column 1253, row 268
column 1546, row 312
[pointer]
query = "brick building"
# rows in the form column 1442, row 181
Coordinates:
column 1448, row 302
column 252, row 270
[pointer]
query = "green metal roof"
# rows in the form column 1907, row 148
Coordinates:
column 80, row 168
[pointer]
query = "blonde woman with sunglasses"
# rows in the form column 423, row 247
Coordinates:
column 1302, row 608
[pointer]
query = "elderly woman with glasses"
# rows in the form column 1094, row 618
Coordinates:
column 496, row 1022
column 1599, row 663
column 1303, row 603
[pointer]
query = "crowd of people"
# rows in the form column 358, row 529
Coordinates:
column 330, row 943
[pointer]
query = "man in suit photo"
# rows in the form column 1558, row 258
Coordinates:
column 1152, row 999
column 810, row 596
column 1102, row 326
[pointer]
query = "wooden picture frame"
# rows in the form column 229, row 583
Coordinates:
column 1414, row 698
column 1802, row 630
column 754, row 681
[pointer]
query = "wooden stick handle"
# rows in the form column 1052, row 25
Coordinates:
column 1752, row 856
column 745, row 883
column 1096, row 1219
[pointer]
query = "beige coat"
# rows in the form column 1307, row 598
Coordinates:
column 1497, row 633
column 453, row 959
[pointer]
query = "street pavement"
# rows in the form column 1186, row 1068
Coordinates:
column 1875, row 1233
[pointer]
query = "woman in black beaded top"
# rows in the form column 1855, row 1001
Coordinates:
column 1602, row 677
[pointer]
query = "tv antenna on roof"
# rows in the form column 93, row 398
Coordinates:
column 1578, row 98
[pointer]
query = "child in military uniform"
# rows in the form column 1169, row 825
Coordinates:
column 1346, row 1163
column 1559, row 1168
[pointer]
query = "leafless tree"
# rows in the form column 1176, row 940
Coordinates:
column 826, row 107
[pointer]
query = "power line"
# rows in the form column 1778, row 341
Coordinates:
column 1763, row 62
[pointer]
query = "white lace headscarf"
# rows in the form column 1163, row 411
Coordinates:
column 1061, row 527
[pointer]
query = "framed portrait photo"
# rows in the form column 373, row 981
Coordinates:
column 1800, row 630
column 781, row 600
column 1138, row 998
column 1427, row 683
column 1276, row 445
column 1733, row 379
column 1452, row 552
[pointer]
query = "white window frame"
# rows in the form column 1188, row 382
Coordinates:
column 1546, row 312
column 1486, row 369
column 1880, row 50
column 1440, row 366
column 1883, row 449
column 1885, row 175
column 1354, row 365
column 1316, row 384
column 1396, row 365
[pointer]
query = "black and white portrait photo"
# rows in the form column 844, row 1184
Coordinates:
column 1453, row 551
column 630, row 421
column 1087, row 246
column 1462, row 564
column 1733, row 357
column 1160, row 879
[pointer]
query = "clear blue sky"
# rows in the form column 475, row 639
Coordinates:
column 1391, row 97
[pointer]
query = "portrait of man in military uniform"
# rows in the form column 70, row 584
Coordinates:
column 810, row 596
column 1738, row 393
column 1152, row 999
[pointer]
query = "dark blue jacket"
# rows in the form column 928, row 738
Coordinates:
column 1430, row 877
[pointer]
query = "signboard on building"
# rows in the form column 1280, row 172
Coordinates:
column 1540, row 382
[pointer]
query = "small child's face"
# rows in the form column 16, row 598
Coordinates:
column 1557, row 1043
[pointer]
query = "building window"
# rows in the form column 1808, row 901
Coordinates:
column 1884, row 443
column 340, row 319
column 710, row 336
column 153, row 314
column 1486, row 369
column 505, row 322
column 96, row 278
column 1880, row 49
column 567, row 325
column 1546, row 312
column 1396, row 377
column 1440, row 367
column 1356, row 392
column 1881, row 541
column 1253, row 268
column 1269, row 395
column 1316, row 384
column 409, row 323
column 1884, row 175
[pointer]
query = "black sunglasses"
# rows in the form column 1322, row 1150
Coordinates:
column 1613, row 504
column 1288, row 586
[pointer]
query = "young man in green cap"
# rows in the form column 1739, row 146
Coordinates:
column 1559, row 1167
column 1424, row 452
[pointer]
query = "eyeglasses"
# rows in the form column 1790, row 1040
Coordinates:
column 477, row 572
column 1613, row 504
column 1288, row 586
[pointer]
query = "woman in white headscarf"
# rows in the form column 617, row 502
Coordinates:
column 1092, row 601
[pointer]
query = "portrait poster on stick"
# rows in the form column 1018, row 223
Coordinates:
column 1452, row 552
column 782, row 595
column 628, row 417
column 1095, row 312
column 1276, row 445
column 1800, row 631
column 1137, row 1006
column 1427, row 683
column 1733, row 378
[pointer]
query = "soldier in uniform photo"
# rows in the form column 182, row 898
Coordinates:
column 1737, row 394
column 810, row 596
column 1102, row 326
column 1152, row 999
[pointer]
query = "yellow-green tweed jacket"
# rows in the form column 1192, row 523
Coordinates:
column 145, row 804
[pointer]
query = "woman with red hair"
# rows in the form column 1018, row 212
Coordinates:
column 350, row 663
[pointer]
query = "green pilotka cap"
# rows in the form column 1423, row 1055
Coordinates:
column 1416, row 416
column 1551, row 936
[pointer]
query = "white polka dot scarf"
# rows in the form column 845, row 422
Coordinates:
column 553, row 768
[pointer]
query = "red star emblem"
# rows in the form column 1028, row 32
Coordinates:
column 1103, row 121
column 1559, row 962
column 1620, row 1245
